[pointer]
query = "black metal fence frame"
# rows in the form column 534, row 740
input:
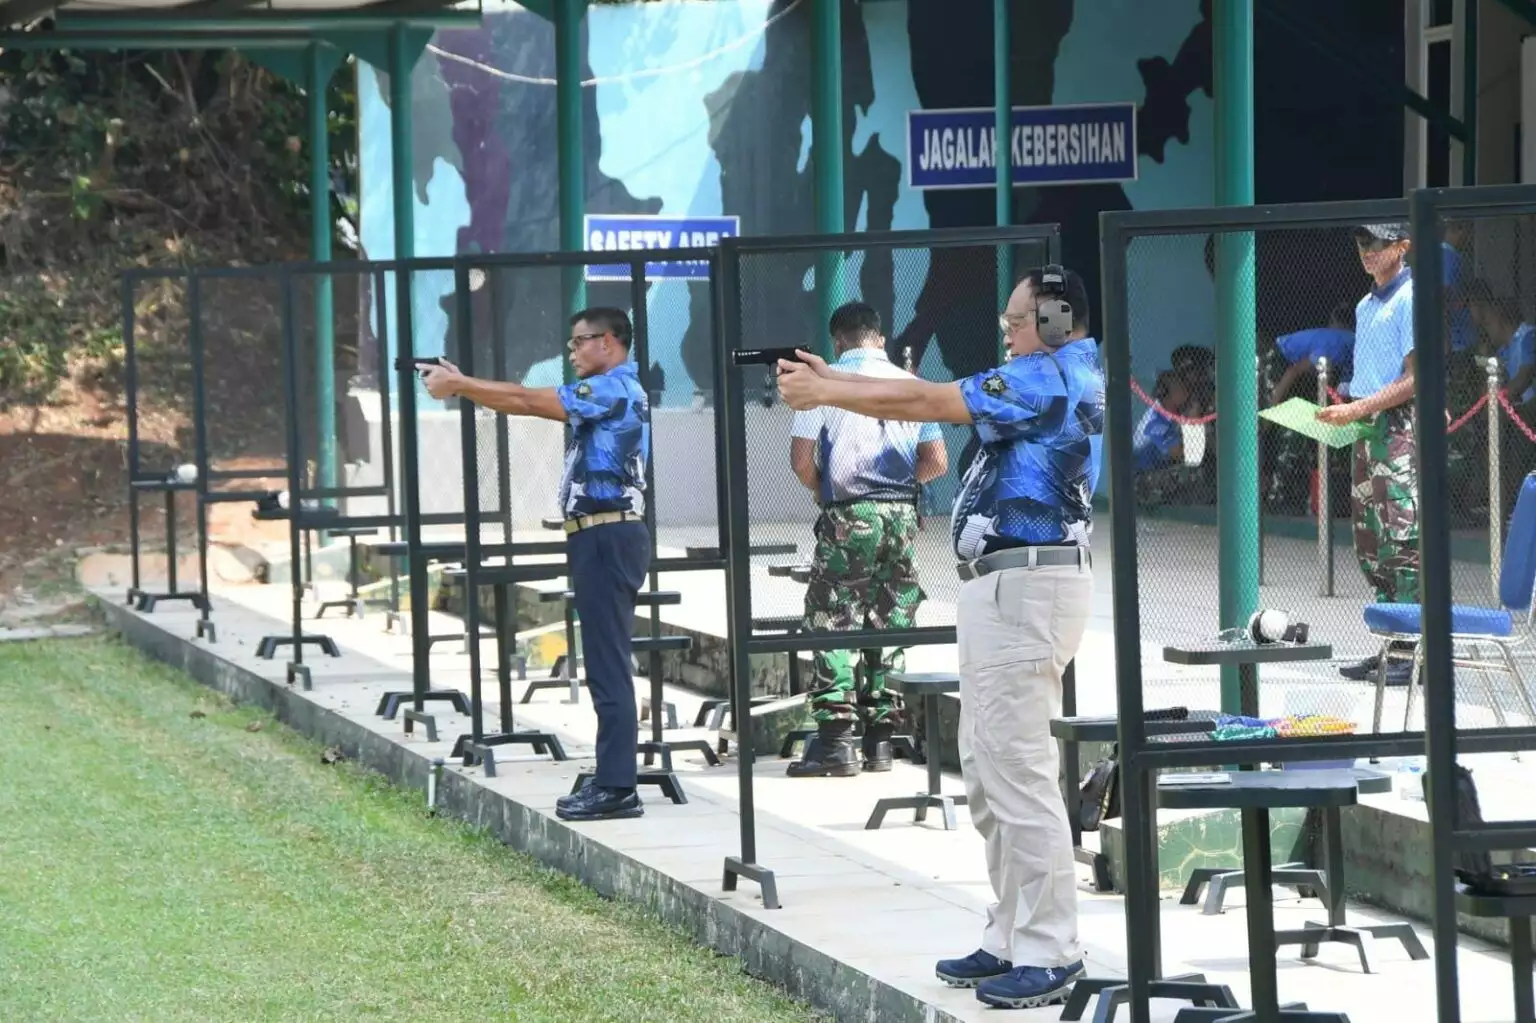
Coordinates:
column 1431, row 207
column 742, row 641
column 477, row 573
column 1140, row 760
column 141, row 482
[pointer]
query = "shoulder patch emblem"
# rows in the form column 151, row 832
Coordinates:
column 994, row 385
column 583, row 390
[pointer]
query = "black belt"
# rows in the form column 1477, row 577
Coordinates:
column 1023, row 557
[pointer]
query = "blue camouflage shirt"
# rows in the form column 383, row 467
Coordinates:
column 610, row 419
column 1033, row 482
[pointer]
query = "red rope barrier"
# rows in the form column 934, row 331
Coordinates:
column 1171, row 416
column 1509, row 410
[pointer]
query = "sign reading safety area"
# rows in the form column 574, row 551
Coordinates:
column 631, row 232
column 1071, row 145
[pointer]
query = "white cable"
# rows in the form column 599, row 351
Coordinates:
column 628, row 76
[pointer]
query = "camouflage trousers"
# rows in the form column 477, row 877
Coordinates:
column 1385, row 502
column 862, row 577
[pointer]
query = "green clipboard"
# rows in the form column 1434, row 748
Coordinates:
column 1300, row 415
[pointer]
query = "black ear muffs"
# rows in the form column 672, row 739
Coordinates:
column 1053, row 315
column 1271, row 626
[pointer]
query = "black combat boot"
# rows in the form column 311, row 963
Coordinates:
column 829, row 755
column 877, row 745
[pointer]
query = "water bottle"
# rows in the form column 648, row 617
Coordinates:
column 1409, row 778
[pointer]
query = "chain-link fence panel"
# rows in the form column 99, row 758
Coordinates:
column 936, row 298
column 1327, row 300
column 157, row 357
column 240, row 323
column 1484, row 483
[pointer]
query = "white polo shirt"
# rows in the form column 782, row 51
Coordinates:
column 861, row 458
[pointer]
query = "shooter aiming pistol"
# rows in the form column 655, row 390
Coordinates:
column 417, row 365
column 768, row 356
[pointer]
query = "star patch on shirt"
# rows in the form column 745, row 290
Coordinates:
column 994, row 385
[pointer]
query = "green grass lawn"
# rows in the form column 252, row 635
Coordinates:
column 160, row 860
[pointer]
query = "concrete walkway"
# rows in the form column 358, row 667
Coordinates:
column 865, row 913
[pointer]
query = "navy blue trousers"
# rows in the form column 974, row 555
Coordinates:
column 608, row 566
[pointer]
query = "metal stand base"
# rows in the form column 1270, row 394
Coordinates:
column 795, row 737
column 1361, row 937
column 1295, row 1012
column 1223, row 879
column 147, row 601
column 474, row 752
column 354, row 606
column 736, row 868
column 664, row 750
column 411, row 716
column 1114, row 992
column 390, row 703
column 920, row 804
column 550, row 683
column 269, row 644
column 301, row 671
column 666, row 781
column 668, row 710
column 205, row 630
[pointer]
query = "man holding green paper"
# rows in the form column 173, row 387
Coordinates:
column 1385, row 495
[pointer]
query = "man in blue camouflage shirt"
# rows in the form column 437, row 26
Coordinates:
column 1020, row 532
column 602, row 495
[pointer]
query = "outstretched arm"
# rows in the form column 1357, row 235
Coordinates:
column 912, row 401
column 507, row 398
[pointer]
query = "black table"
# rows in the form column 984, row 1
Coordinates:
column 1255, row 793
column 1246, row 656
column 354, row 604
column 928, row 686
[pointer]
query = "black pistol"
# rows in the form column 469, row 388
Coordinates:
column 403, row 364
column 768, row 356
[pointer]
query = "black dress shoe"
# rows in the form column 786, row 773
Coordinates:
column 599, row 803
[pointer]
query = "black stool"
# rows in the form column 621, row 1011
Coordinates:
column 567, row 667
column 929, row 686
column 1255, row 793
column 1332, row 893
column 353, row 603
column 1518, row 910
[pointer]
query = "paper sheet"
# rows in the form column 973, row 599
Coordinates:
column 1300, row 415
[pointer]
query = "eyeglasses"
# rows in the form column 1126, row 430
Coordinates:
column 1372, row 244
column 581, row 339
column 1007, row 322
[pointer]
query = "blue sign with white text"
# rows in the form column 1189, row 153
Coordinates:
column 1073, row 145
column 633, row 232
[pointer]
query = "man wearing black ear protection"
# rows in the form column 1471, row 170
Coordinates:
column 1020, row 532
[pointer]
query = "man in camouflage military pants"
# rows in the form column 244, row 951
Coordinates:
column 1386, row 487
column 865, row 473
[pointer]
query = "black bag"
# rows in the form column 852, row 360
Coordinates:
column 1099, row 794
column 1475, row 868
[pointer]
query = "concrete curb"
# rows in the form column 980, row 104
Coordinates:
column 805, row 972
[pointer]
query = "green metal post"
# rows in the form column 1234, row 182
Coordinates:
column 400, row 139
column 1002, row 150
column 827, row 151
column 317, row 81
column 1237, row 467
column 570, row 151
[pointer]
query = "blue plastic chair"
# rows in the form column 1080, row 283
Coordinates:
column 1504, row 628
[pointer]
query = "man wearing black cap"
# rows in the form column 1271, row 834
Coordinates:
column 1385, row 495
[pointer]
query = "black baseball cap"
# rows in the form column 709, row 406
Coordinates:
column 1397, row 232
